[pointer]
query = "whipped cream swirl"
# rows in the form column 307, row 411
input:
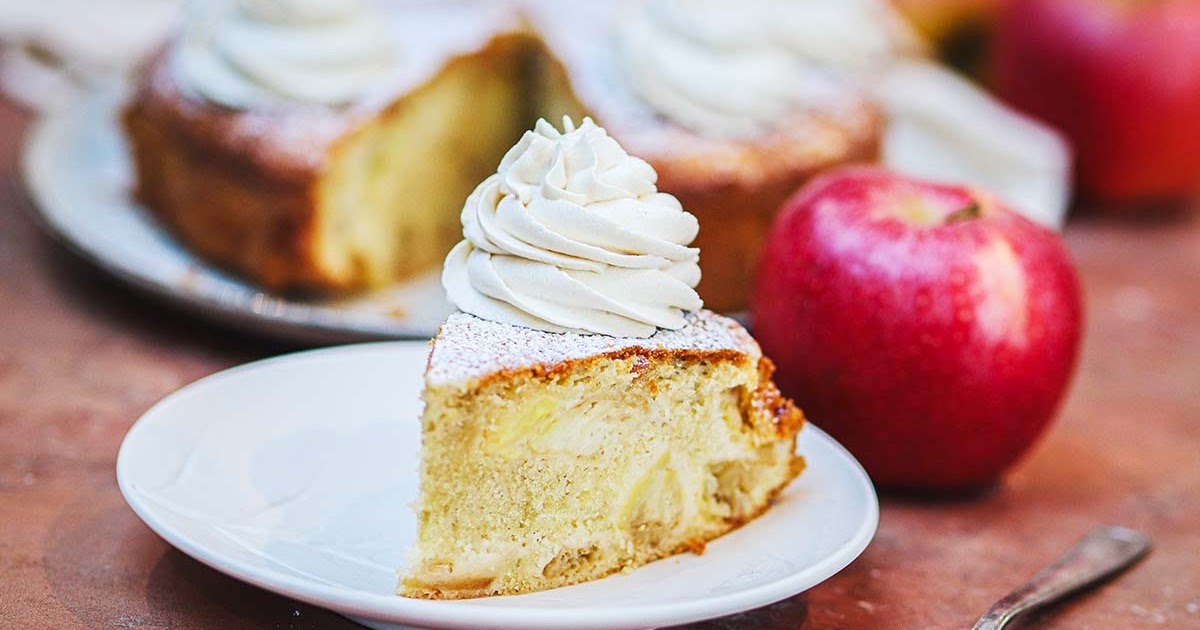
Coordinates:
column 737, row 69
column 259, row 53
column 572, row 235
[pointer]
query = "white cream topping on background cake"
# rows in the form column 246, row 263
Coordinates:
column 249, row 54
column 945, row 127
column 736, row 69
column 572, row 235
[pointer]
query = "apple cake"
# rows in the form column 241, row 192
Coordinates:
column 584, row 414
column 266, row 150
column 551, row 459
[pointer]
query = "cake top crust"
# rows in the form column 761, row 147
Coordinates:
column 468, row 348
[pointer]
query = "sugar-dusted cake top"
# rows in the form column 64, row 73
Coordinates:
column 468, row 348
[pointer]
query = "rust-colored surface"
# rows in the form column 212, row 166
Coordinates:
column 81, row 358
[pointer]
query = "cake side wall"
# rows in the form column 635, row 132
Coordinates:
column 252, row 222
column 736, row 215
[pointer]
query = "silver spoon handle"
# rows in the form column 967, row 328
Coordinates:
column 1102, row 553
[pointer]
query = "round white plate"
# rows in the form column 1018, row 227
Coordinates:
column 295, row 474
column 79, row 174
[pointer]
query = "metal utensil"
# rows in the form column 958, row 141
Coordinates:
column 1101, row 554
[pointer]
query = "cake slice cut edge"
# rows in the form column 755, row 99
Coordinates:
column 552, row 459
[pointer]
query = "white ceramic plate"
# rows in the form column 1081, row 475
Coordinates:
column 78, row 172
column 295, row 474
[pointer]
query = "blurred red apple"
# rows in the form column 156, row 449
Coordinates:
column 1121, row 78
column 930, row 329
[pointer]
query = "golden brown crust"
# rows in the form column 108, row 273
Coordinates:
column 544, row 371
column 787, row 418
column 218, row 200
column 766, row 402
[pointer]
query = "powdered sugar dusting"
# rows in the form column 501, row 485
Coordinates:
column 468, row 347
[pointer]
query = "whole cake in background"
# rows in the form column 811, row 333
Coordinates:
column 326, row 145
column 584, row 415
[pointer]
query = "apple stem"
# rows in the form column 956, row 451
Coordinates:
column 972, row 211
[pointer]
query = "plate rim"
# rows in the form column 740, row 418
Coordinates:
column 456, row 614
column 256, row 311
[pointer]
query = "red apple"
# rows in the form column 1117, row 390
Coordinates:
column 1121, row 78
column 930, row 329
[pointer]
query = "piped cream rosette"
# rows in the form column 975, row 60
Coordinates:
column 572, row 235
column 738, row 70
column 249, row 54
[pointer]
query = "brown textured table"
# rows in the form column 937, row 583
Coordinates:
column 82, row 357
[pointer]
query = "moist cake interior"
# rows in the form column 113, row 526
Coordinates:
column 609, row 455
column 438, row 142
column 441, row 141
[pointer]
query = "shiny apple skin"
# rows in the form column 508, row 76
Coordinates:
column 937, row 354
column 1120, row 78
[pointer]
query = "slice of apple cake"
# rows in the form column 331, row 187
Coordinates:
column 551, row 459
